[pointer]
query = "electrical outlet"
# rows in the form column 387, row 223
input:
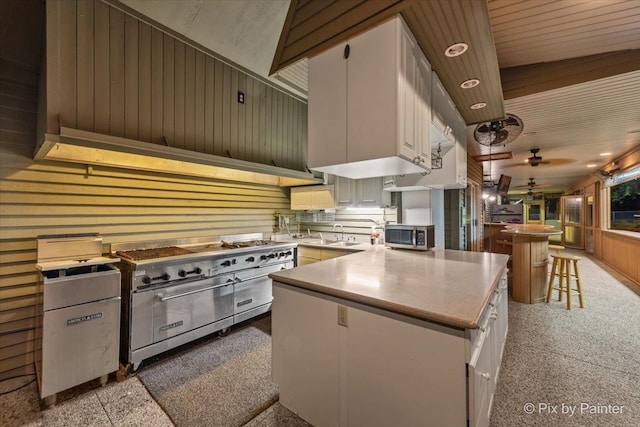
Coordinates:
column 241, row 97
column 343, row 316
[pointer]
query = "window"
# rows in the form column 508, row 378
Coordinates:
column 625, row 205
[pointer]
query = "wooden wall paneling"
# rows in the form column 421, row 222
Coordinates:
column 189, row 98
column 264, row 124
column 157, row 85
column 234, row 107
column 84, row 60
column 255, row 116
column 209, row 106
column 168, row 95
column 116, row 72
column 243, row 117
column 131, row 94
column 218, row 113
column 285, row 157
column 144, row 82
column 226, row 110
column 101, row 51
column 179, row 97
column 200, row 102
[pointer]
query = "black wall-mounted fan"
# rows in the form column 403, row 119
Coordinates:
column 499, row 132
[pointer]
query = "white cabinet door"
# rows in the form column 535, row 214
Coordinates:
column 306, row 356
column 345, row 191
column 300, row 200
column 480, row 380
column 328, row 108
column 372, row 93
column 369, row 192
column 403, row 372
column 423, row 113
column 408, row 100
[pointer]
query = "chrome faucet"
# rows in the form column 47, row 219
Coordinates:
column 341, row 228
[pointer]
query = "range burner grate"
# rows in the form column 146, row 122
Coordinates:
column 246, row 244
column 144, row 254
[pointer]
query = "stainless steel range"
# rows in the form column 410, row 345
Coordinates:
column 177, row 291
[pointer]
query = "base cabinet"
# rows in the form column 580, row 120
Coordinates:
column 309, row 255
column 339, row 363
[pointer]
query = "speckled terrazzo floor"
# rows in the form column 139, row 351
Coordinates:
column 553, row 356
column 582, row 360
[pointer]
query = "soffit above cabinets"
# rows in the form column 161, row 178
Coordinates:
column 314, row 26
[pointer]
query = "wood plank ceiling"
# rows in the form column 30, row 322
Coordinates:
column 314, row 26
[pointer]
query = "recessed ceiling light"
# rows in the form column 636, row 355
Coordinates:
column 591, row 165
column 468, row 84
column 605, row 154
column 478, row 105
column 456, row 49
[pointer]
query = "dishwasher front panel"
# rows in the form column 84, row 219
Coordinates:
column 80, row 343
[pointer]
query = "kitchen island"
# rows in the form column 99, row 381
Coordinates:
column 391, row 337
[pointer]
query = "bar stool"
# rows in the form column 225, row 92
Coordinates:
column 562, row 269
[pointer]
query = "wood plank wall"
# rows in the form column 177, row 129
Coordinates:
column 124, row 205
column 113, row 74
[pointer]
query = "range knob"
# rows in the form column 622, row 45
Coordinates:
column 165, row 276
column 288, row 253
column 182, row 273
column 146, row 280
column 250, row 259
column 227, row 263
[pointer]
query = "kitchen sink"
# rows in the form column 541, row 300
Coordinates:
column 342, row 243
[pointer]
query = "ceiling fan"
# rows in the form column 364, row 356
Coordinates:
column 499, row 132
column 531, row 185
column 535, row 160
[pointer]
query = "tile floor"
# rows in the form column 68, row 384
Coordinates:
column 552, row 355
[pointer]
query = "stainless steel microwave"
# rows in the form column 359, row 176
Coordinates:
column 419, row 237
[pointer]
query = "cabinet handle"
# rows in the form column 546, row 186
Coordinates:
column 493, row 315
column 486, row 376
column 347, row 50
column 416, row 160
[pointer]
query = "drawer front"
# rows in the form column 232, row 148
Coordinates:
column 179, row 309
column 480, row 381
column 251, row 294
column 79, row 343
column 71, row 290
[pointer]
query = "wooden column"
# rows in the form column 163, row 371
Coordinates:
column 530, row 261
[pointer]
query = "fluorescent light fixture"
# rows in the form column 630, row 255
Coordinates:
column 591, row 165
column 605, row 154
column 78, row 146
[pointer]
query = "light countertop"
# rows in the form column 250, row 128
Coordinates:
column 446, row 286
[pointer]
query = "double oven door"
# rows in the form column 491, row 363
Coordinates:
column 183, row 307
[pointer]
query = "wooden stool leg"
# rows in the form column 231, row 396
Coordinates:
column 568, row 271
column 551, row 279
column 575, row 269
column 561, row 280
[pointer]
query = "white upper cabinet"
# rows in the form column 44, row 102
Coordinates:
column 315, row 197
column 369, row 105
column 363, row 193
column 448, row 140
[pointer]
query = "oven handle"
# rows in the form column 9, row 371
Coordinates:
column 246, row 279
column 208, row 288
